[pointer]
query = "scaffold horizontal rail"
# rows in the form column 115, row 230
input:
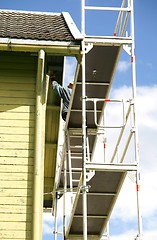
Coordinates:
column 92, row 216
column 108, row 40
column 111, row 166
column 127, row 9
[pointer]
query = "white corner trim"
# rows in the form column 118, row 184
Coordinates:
column 72, row 26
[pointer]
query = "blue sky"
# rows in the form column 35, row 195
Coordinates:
column 146, row 65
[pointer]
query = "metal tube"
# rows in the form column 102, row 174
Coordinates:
column 94, row 83
column 95, row 113
column 38, row 153
column 119, row 17
column 124, row 24
column 84, row 198
column 121, row 21
column 64, row 199
column 126, row 147
column 107, row 231
column 55, row 216
column 107, row 8
column 104, row 139
column 121, row 134
column 70, row 168
column 134, row 118
column 83, row 17
column 74, row 206
column 112, row 167
column 105, row 100
column 108, row 41
column 95, row 100
column 88, row 152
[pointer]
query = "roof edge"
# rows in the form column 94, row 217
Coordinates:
column 31, row 12
column 72, row 26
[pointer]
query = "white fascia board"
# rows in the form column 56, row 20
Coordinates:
column 57, row 47
column 72, row 26
column 34, row 42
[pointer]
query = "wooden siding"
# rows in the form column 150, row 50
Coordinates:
column 17, row 123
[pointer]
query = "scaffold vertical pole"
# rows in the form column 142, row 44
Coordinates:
column 133, row 62
column 84, row 196
column 64, row 198
column 70, row 167
column 83, row 17
column 55, row 216
column 84, row 193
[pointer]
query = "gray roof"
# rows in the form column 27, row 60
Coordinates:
column 34, row 26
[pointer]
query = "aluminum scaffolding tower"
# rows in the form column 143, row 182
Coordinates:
column 93, row 185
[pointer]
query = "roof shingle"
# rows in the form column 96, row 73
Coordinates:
column 34, row 26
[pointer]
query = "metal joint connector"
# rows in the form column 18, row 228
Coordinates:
column 133, row 130
column 83, row 98
column 139, row 237
column 85, row 188
column 132, row 102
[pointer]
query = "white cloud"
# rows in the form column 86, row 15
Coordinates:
column 70, row 68
column 123, row 66
column 131, row 234
column 150, row 234
column 147, row 108
column 149, row 193
column 47, row 223
column 148, row 65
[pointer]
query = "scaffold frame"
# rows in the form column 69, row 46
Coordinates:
column 79, row 187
